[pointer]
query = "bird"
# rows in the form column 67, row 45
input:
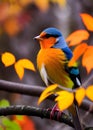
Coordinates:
column 53, row 64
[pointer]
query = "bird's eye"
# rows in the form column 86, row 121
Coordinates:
column 47, row 36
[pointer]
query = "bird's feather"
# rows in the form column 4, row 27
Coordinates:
column 54, row 61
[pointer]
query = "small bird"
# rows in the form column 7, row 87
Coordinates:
column 53, row 64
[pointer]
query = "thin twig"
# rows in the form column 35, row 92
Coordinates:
column 88, row 80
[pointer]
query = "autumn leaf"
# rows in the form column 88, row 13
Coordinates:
column 22, row 64
column 3, row 11
column 59, row 2
column 25, row 2
column 87, row 59
column 42, row 4
column 78, row 51
column 47, row 92
column 87, row 20
column 14, row 9
column 19, row 69
column 64, row 99
column 89, row 92
column 77, row 37
column 24, row 122
column 79, row 95
column 8, row 59
column 27, row 64
column 11, row 26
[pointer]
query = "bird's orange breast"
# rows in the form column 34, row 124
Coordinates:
column 54, row 61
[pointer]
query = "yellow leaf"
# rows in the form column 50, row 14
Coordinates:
column 19, row 69
column 14, row 9
column 60, row 2
column 89, row 92
column 87, row 59
column 22, row 64
column 26, row 64
column 25, row 2
column 77, row 37
column 78, row 51
column 64, row 99
column 47, row 92
column 87, row 20
column 79, row 95
column 42, row 4
column 8, row 59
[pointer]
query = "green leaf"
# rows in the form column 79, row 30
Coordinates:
column 19, row 117
column 10, row 125
column 4, row 103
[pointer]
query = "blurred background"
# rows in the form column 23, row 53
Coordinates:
column 20, row 22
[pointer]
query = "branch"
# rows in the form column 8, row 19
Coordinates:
column 33, row 91
column 32, row 111
column 38, row 112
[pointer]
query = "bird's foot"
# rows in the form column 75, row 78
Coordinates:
column 53, row 111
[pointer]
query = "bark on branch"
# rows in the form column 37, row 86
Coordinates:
column 13, row 87
column 38, row 112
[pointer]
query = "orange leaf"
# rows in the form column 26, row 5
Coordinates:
column 78, row 51
column 64, row 99
column 79, row 95
column 8, row 59
column 47, row 92
column 77, row 37
column 25, row 122
column 19, row 69
column 87, row 20
column 27, row 64
column 3, row 11
column 12, row 26
column 87, row 59
column 42, row 4
column 89, row 92
column 25, row 2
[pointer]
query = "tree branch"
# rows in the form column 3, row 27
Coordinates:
column 38, row 112
column 33, row 91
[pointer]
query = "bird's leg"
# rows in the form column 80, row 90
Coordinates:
column 54, row 109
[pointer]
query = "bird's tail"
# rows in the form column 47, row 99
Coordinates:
column 75, row 116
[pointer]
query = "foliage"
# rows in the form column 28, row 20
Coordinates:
column 14, row 16
column 5, row 122
column 65, row 98
column 16, row 122
column 24, row 122
column 9, row 59
column 76, row 39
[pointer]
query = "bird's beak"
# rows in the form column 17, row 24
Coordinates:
column 38, row 38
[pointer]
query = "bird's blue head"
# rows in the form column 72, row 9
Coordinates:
column 53, row 32
column 52, row 38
